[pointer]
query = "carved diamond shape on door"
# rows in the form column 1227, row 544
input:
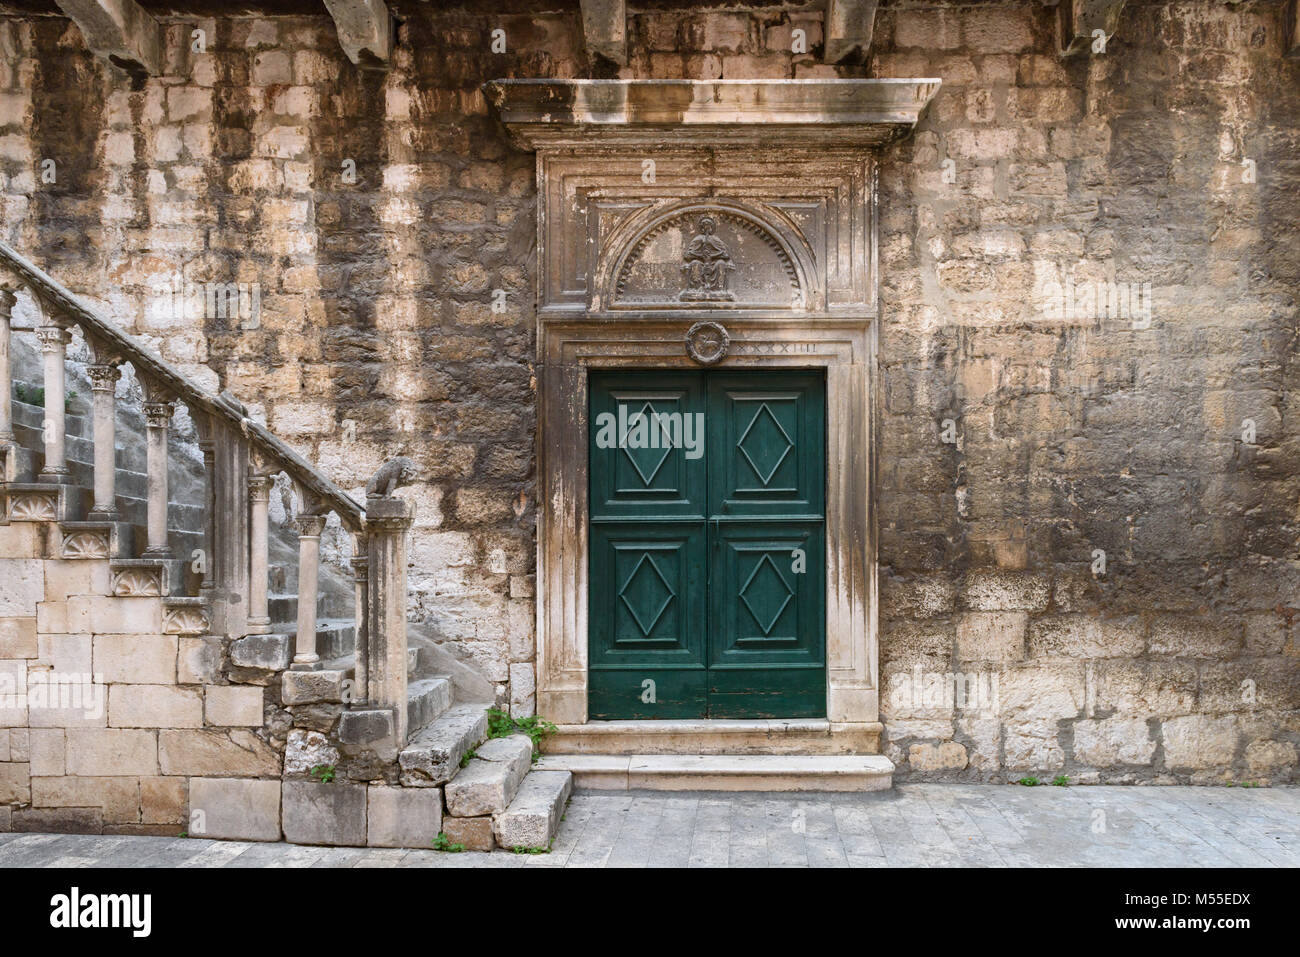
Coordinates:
column 648, row 588
column 765, row 444
column 770, row 593
column 652, row 458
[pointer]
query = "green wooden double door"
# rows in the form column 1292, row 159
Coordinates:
column 707, row 579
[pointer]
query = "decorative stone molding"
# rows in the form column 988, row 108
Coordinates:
column 188, row 619
column 739, row 216
column 158, row 415
column 103, row 377
column 137, row 583
column 365, row 30
column 26, row 506
column 121, row 31
column 77, row 545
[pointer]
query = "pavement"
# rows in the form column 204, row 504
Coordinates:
column 912, row 825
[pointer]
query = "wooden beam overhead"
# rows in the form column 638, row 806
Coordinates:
column 119, row 30
column 365, row 29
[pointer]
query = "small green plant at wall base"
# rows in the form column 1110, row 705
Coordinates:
column 324, row 773
column 443, row 843
column 1028, row 782
column 1061, row 781
column 533, row 850
column 501, row 725
column 468, row 756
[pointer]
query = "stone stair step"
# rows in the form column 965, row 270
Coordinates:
column 284, row 607
column 533, row 817
column 333, row 638
column 725, row 772
column 489, row 782
column 433, row 754
column 426, row 699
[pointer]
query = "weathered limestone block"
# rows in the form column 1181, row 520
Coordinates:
column 1042, row 692
column 13, row 703
column 333, row 813
column 270, row 652
column 403, row 817
column 233, row 705
column 991, row 636
column 366, row 726
column 433, row 755
column 234, row 809
column 1006, row 591
column 47, row 749
column 63, row 579
column 523, row 688
column 135, row 658
column 1184, row 636
column 236, row 754
column 306, row 687
column 1266, row 757
column 163, row 800
column 488, row 783
column 1162, row 688
column 474, row 833
column 306, row 750
column 154, row 706
column 533, row 817
column 198, row 660
column 946, row 755
column 24, row 580
column 1032, row 747
column 1113, row 741
column 1086, row 636
column 18, row 637
column 15, row 783
column 100, row 614
column 110, row 752
column 1197, row 741
column 117, row 798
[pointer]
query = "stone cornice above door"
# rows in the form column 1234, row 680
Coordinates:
column 668, row 199
column 544, row 114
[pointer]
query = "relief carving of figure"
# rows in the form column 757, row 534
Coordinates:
column 706, row 262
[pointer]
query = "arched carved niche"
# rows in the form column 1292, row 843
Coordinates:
column 710, row 254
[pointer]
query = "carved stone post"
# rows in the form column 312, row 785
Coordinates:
column 54, row 344
column 361, row 585
column 7, row 300
column 208, row 446
column 103, row 385
column 158, row 415
column 259, row 497
column 309, row 529
column 387, row 520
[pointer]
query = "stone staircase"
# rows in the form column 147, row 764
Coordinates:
column 218, row 695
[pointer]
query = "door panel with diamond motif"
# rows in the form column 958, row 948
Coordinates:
column 707, row 545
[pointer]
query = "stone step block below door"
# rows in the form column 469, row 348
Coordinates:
column 489, row 782
column 533, row 818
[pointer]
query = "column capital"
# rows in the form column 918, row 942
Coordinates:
column 310, row 526
column 259, row 488
column 53, row 338
column 158, row 415
column 103, row 376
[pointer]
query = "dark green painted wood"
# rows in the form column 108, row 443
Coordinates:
column 707, row 576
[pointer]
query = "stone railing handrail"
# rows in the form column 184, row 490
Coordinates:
column 153, row 370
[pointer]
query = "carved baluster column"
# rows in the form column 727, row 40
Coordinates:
column 103, row 385
column 7, row 300
column 388, row 520
column 54, row 344
column 158, row 415
column 204, row 424
column 360, row 584
column 309, row 531
column 259, row 498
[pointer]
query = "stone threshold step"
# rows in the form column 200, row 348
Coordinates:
column 765, row 736
column 725, row 772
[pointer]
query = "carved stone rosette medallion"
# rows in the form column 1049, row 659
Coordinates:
column 707, row 343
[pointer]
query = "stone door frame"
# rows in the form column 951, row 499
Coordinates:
column 792, row 161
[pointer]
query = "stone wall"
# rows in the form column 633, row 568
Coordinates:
column 1016, row 444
